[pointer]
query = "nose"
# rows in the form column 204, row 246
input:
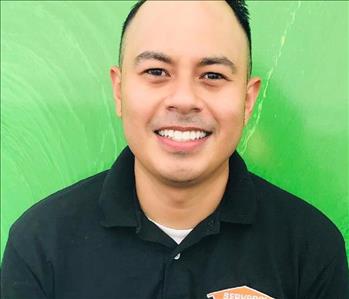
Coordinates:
column 184, row 99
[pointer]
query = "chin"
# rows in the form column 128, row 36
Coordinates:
column 181, row 183
column 181, row 177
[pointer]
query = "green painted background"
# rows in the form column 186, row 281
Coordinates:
column 57, row 116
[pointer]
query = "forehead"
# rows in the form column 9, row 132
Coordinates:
column 186, row 29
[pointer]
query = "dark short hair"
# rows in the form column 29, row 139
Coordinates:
column 239, row 8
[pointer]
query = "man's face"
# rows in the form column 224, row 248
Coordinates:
column 183, row 92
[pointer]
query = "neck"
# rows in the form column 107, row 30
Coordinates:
column 179, row 206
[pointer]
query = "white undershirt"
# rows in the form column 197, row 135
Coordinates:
column 176, row 234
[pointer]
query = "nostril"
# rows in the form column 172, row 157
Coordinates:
column 172, row 108
column 184, row 109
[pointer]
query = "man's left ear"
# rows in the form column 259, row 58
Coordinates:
column 253, row 87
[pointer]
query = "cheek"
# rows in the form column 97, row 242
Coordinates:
column 228, row 110
column 231, row 123
column 137, row 103
column 139, row 107
column 230, row 129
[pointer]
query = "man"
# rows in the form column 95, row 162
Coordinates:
column 178, row 215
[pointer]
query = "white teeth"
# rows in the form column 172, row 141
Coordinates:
column 182, row 136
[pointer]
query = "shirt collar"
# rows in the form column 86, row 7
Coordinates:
column 118, row 196
column 239, row 203
column 119, row 205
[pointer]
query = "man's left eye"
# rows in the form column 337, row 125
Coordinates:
column 213, row 76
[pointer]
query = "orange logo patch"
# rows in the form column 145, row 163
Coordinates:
column 243, row 292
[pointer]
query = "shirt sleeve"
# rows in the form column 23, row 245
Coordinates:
column 333, row 281
column 27, row 270
column 18, row 281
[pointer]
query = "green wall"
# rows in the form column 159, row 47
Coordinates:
column 57, row 116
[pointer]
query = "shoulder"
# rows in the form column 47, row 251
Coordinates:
column 293, row 218
column 60, row 209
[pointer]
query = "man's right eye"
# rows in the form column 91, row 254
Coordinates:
column 156, row 72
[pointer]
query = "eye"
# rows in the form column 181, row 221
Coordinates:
column 213, row 76
column 156, row 72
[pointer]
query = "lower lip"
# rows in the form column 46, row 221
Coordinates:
column 184, row 146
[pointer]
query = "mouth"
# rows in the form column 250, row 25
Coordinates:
column 183, row 134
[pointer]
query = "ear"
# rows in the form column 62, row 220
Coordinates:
column 115, row 75
column 253, row 87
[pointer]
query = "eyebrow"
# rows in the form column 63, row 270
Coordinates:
column 220, row 60
column 150, row 55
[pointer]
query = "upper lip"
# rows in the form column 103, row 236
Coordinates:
column 183, row 129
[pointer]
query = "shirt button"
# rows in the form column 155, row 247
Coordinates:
column 210, row 226
column 177, row 256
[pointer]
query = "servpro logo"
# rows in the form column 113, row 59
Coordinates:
column 243, row 292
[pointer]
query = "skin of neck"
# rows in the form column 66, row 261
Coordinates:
column 180, row 206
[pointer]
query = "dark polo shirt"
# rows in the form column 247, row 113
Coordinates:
column 92, row 241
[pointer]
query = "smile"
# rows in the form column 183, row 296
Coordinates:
column 182, row 136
